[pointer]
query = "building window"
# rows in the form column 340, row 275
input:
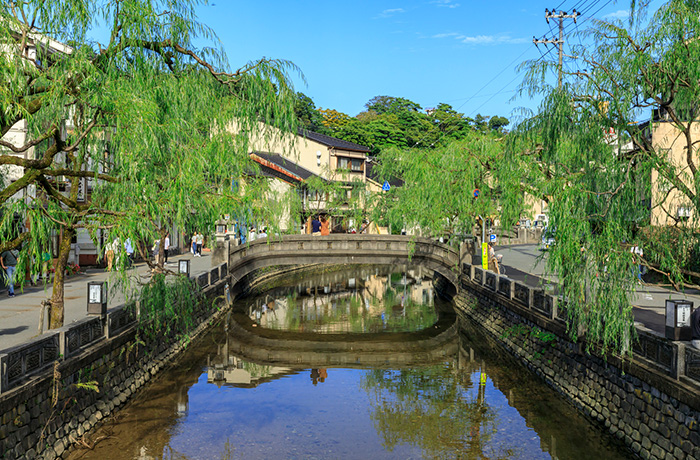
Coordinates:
column 315, row 195
column 353, row 164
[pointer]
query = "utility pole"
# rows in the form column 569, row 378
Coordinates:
column 561, row 16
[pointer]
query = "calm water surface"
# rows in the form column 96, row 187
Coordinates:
column 474, row 402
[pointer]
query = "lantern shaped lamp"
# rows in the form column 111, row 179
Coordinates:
column 678, row 319
column 184, row 267
column 97, row 298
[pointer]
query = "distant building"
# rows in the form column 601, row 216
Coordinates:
column 667, row 205
column 296, row 163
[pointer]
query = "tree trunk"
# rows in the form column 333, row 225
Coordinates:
column 57, row 296
column 160, row 255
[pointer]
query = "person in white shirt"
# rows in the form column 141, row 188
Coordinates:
column 638, row 254
column 166, row 246
column 200, row 243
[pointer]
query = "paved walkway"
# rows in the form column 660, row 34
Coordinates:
column 521, row 264
column 19, row 315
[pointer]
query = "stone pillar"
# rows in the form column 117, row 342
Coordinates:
column 221, row 248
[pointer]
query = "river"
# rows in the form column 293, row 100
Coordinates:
column 348, row 363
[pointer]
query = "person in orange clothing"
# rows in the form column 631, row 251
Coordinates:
column 325, row 226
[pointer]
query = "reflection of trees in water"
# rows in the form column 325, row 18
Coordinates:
column 373, row 304
column 433, row 408
column 257, row 371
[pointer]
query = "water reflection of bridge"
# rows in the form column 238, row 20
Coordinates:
column 283, row 351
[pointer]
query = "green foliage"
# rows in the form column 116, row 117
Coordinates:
column 142, row 120
column 90, row 386
column 521, row 331
column 388, row 104
column 168, row 308
column 396, row 122
column 310, row 118
column 436, row 194
column 609, row 193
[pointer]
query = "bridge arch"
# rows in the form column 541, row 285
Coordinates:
column 290, row 250
column 347, row 350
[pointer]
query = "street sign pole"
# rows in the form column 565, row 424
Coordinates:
column 484, row 245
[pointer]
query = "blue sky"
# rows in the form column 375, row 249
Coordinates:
column 461, row 52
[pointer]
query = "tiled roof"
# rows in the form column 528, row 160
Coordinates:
column 281, row 165
column 333, row 142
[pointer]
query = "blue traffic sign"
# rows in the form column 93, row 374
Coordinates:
column 476, row 193
column 386, row 187
column 492, row 238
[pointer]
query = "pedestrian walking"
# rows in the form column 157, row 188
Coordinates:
column 638, row 255
column 316, row 227
column 129, row 248
column 155, row 249
column 200, row 243
column 493, row 260
column 8, row 259
column 110, row 251
column 194, row 244
column 166, row 246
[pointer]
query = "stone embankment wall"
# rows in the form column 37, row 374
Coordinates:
column 649, row 406
column 47, row 409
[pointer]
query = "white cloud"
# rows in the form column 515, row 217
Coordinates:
column 620, row 14
column 490, row 40
column 446, row 35
column 445, row 4
column 391, row 12
column 500, row 39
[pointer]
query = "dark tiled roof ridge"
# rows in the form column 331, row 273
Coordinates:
column 333, row 141
column 285, row 163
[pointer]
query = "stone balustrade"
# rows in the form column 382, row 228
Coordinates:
column 673, row 359
column 19, row 363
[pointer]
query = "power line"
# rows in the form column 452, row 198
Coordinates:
column 478, row 91
column 561, row 15
column 581, row 4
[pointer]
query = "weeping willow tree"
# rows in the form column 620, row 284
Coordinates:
column 615, row 153
column 124, row 134
column 438, row 185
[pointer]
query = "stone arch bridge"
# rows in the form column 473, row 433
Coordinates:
column 295, row 250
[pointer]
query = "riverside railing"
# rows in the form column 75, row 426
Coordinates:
column 21, row 362
column 678, row 360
